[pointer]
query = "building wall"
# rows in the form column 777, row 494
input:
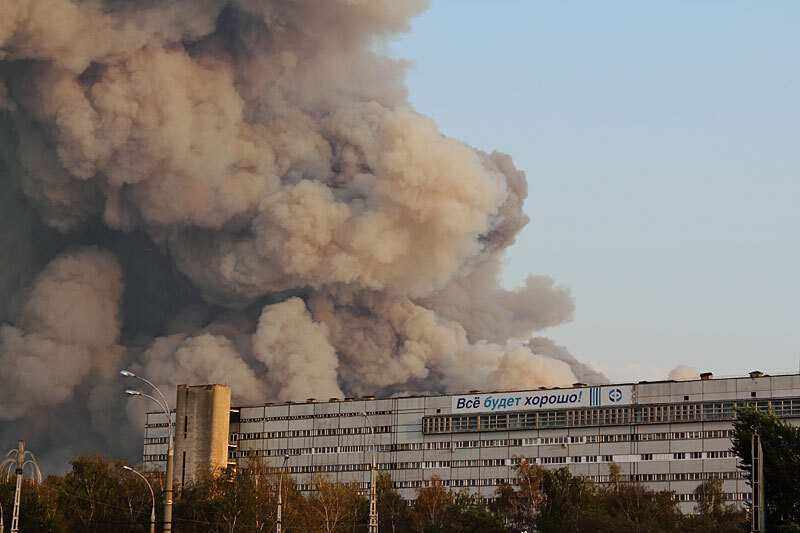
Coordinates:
column 665, row 454
column 202, row 430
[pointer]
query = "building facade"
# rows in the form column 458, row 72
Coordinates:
column 203, row 414
column 668, row 435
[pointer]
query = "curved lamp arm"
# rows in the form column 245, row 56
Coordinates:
column 163, row 403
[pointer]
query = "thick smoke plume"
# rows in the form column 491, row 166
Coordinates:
column 683, row 373
column 239, row 192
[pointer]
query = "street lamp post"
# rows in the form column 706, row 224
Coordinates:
column 152, row 495
column 16, row 460
column 170, row 449
column 279, row 524
column 373, row 493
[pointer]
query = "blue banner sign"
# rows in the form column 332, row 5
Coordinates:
column 542, row 399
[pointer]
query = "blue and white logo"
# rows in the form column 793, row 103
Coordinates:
column 594, row 396
column 614, row 395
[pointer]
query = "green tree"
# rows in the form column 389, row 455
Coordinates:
column 569, row 501
column 547, row 500
column 392, row 508
column 221, row 501
column 630, row 506
column 431, row 508
column 712, row 514
column 238, row 499
column 98, row 495
column 34, row 514
column 333, row 507
column 555, row 501
column 780, row 443
column 521, row 506
column 467, row 515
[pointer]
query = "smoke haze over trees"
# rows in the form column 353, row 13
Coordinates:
column 208, row 191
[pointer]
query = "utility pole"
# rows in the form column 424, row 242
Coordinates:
column 152, row 497
column 279, row 524
column 170, row 448
column 16, row 460
column 17, row 494
column 373, row 492
column 757, row 477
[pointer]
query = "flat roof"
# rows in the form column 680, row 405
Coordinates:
column 369, row 398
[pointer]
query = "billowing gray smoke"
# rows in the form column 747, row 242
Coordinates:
column 239, row 192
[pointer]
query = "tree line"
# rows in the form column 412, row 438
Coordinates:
column 97, row 495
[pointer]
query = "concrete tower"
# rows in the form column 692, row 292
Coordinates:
column 202, row 422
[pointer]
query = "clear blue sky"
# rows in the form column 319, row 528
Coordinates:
column 660, row 141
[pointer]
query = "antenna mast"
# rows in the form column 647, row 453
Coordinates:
column 16, row 460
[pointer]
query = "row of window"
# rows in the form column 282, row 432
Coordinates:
column 159, row 425
column 492, row 443
column 313, row 415
column 630, row 458
column 308, row 487
column 686, row 455
column 327, row 432
column 445, row 445
column 463, row 463
column 686, row 476
column 490, row 482
column 410, row 465
column 607, row 416
column 729, row 496
column 415, row 484
column 318, row 450
column 477, row 482
column 578, row 439
column 465, row 444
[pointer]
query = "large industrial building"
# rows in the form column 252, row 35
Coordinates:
column 667, row 434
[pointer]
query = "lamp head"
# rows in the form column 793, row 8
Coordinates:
column 363, row 413
column 126, row 467
column 127, row 373
column 286, row 457
column 131, row 392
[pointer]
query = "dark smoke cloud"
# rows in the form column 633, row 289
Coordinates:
column 239, row 192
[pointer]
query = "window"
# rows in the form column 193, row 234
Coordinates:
column 719, row 455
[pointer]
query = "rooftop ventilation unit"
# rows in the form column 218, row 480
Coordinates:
column 756, row 374
column 705, row 376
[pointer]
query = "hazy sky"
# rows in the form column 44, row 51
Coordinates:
column 660, row 141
